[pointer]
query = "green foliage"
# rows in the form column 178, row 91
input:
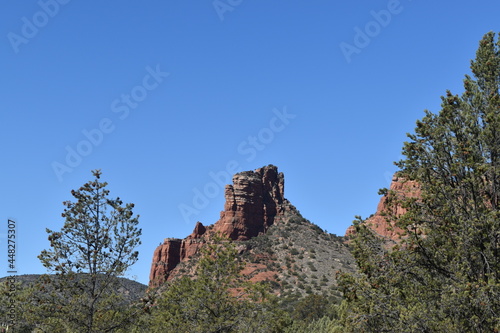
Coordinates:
column 310, row 308
column 445, row 274
column 15, row 306
column 316, row 314
column 216, row 299
column 96, row 245
column 94, row 240
column 323, row 325
column 317, row 229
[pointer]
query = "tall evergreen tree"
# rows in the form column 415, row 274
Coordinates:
column 216, row 299
column 445, row 274
column 95, row 246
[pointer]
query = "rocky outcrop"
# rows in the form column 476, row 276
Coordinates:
column 198, row 231
column 165, row 258
column 253, row 202
column 379, row 221
column 173, row 250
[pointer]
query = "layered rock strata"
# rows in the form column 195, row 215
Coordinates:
column 253, row 202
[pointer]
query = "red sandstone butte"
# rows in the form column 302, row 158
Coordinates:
column 253, row 202
column 378, row 222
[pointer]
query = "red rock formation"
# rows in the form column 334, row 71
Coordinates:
column 253, row 202
column 378, row 222
column 198, row 231
column 165, row 258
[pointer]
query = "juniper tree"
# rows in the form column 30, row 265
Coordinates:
column 445, row 273
column 95, row 246
column 216, row 299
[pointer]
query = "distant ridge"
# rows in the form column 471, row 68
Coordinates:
column 130, row 289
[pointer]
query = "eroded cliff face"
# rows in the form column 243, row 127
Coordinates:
column 253, row 202
column 165, row 258
column 378, row 222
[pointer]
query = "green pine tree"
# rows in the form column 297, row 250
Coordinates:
column 95, row 246
column 444, row 276
column 216, row 299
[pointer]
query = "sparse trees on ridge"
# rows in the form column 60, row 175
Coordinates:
column 216, row 299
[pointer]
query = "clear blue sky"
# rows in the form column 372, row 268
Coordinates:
column 172, row 91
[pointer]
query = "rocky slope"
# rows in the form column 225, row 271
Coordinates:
column 252, row 204
column 275, row 241
column 378, row 222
